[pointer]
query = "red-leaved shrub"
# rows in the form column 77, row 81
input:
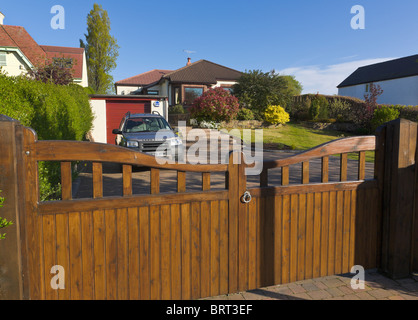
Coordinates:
column 216, row 104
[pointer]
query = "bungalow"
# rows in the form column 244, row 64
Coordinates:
column 397, row 78
column 20, row 53
column 181, row 86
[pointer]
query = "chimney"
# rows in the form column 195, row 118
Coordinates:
column 1, row 18
column 189, row 61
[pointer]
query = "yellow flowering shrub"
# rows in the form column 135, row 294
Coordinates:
column 276, row 115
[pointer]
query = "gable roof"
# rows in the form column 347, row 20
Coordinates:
column 76, row 54
column 18, row 37
column 144, row 79
column 394, row 69
column 203, row 71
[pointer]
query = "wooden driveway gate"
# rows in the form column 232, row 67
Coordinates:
column 190, row 245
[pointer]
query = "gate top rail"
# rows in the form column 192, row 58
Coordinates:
column 97, row 152
column 341, row 146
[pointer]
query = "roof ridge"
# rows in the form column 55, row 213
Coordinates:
column 185, row 67
column 141, row 74
column 3, row 26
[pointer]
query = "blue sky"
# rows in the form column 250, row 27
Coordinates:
column 312, row 40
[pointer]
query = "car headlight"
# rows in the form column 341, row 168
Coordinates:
column 176, row 142
column 132, row 144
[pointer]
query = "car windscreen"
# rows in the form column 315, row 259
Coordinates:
column 145, row 124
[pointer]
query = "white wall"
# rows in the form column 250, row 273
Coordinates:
column 402, row 91
column 224, row 83
column 15, row 65
column 126, row 89
column 99, row 132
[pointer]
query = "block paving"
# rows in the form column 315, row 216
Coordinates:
column 338, row 287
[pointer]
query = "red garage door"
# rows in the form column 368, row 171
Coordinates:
column 115, row 110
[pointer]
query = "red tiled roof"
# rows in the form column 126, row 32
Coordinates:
column 144, row 79
column 13, row 36
column 76, row 54
column 18, row 37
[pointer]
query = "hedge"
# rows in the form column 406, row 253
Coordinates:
column 54, row 112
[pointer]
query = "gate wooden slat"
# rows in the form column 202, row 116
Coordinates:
column 324, row 233
column 186, row 245
column 181, row 181
column 166, row 253
column 285, row 176
column 305, row 172
column 286, row 240
column 339, row 233
column 362, row 165
column 87, row 255
column 66, row 181
column 62, row 249
column 301, row 237
column 252, row 244
column 309, row 235
column 48, row 254
column 278, row 242
column 224, row 247
column 346, row 232
column 205, row 249
column 343, row 167
column 111, row 254
column 133, row 254
column 99, row 255
column 127, row 180
column 294, row 218
column 155, row 181
column 325, row 169
column 205, row 181
column 176, row 252
column 332, row 231
column 122, row 254
column 145, row 256
column 195, row 252
column 97, row 180
column 317, row 235
column 155, row 254
column 214, row 249
column 74, row 234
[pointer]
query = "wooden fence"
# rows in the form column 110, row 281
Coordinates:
column 190, row 245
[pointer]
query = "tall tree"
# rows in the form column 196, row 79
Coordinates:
column 101, row 50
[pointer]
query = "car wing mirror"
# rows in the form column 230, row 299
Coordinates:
column 116, row 131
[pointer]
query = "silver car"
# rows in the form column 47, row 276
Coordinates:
column 150, row 134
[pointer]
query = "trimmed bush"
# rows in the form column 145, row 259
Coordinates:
column 55, row 112
column 383, row 114
column 245, row 114
column 215, row 105
column 177, row 109
column 276, row 115
column 319, row 108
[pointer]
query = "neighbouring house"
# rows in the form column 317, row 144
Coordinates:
column 19, row 53
column 181, row 86
column 397, row 78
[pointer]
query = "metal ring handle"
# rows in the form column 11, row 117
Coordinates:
column 246, row 198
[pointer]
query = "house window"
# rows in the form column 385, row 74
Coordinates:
column 176, row 95
column 367, row 87
column 3, row 61
column 190, row 94
column 63, row 62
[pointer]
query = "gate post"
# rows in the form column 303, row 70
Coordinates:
column 399, row 147
column 11, row 184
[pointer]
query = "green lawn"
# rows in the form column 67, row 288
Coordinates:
column 299, row 137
